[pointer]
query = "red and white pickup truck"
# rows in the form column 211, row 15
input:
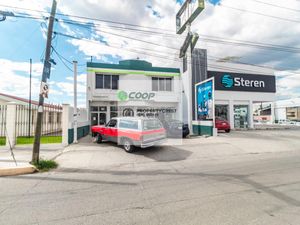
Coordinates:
column 131, row 132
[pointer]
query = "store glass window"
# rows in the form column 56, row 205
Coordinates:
column 99, row 81
column 113, row 111
column 161, row 84
column 102, row 108
column 154, row 84
column 115, row 82
column 107, row 81
column 168, row 84
column 241, row 116
column 94, row 108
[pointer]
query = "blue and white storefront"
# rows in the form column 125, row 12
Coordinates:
column 238, row 88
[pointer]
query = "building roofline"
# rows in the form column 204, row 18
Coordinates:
column 32, row 101
column 135, row 65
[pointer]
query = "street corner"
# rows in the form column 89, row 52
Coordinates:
column 17, row 170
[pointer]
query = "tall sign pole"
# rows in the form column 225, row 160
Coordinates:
column 188, row 12
column 75, row 102
column 46, row 74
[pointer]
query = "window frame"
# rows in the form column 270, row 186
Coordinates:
column 106, row 79
column 162, row 84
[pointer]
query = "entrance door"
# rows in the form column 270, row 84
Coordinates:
column 94, row 119
column 221, row 111
column 102, row 118
column 241, row 116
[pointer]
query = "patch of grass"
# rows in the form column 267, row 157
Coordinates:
column 2, row 140
column 45, row 165
column 44, row 140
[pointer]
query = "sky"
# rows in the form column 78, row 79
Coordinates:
column 153, row 39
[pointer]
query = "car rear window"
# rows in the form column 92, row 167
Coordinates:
column 129, row 124
column 151, row 124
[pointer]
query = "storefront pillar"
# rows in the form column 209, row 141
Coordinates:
column 231, row 114
column 250, row 115
column 273, row 117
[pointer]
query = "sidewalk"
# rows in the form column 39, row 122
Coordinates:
column 23, row 154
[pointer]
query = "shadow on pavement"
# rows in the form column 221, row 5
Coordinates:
column 164, row 153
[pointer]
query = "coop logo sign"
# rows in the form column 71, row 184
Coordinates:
column 228, row 81
column 135, row 95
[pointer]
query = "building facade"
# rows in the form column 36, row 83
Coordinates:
column 238, row 87
column 287, row 110
column 132, row 88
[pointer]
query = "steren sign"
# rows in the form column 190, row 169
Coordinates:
column 243, row 82
column 239, row 81
column 228, row 81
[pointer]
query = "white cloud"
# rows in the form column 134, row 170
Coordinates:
column 217, row 21
column 14, row 80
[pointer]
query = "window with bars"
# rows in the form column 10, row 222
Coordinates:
column 104, row 81
column 161, row 84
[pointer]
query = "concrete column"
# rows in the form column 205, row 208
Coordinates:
column 11, row 116
column 231, row 114
column 250, row 115
column 65, row 124
column 273, row 108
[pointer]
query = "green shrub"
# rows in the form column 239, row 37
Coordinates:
column 45, row 165
column 2, row 140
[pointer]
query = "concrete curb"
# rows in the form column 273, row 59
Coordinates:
column 20, row 170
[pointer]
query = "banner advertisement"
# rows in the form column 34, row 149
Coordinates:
column 205, row 100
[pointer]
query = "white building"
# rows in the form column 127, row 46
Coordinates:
column 251, row 85
column 287, row 110
column 132, row 88
column 25, row 118
column 237, row 88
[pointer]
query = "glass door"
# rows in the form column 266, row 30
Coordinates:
column 94, row 119
column 102, row 118
column 240, row 116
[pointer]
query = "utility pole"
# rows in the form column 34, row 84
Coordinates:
column 29, row 112
column 75, row 102
column 38, row 129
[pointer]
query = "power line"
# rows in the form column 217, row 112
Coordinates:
column 277, row 6
column 88, row 18
column 147, row 32
column 214, row 66
column 61, row 58
column 217, row 40
column 260, row 14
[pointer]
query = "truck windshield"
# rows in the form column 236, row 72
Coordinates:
column 151, row 124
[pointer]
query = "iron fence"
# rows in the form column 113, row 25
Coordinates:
column 2, row 124
column 26, row 121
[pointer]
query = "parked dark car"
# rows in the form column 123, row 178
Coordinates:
column 222, row 124
column 176, row 128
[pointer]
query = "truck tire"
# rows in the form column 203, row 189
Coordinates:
column 127, row 145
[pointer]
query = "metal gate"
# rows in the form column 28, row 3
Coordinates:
column 51, row 124
column 3, row 124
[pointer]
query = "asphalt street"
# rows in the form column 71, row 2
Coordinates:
column 239, row 178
